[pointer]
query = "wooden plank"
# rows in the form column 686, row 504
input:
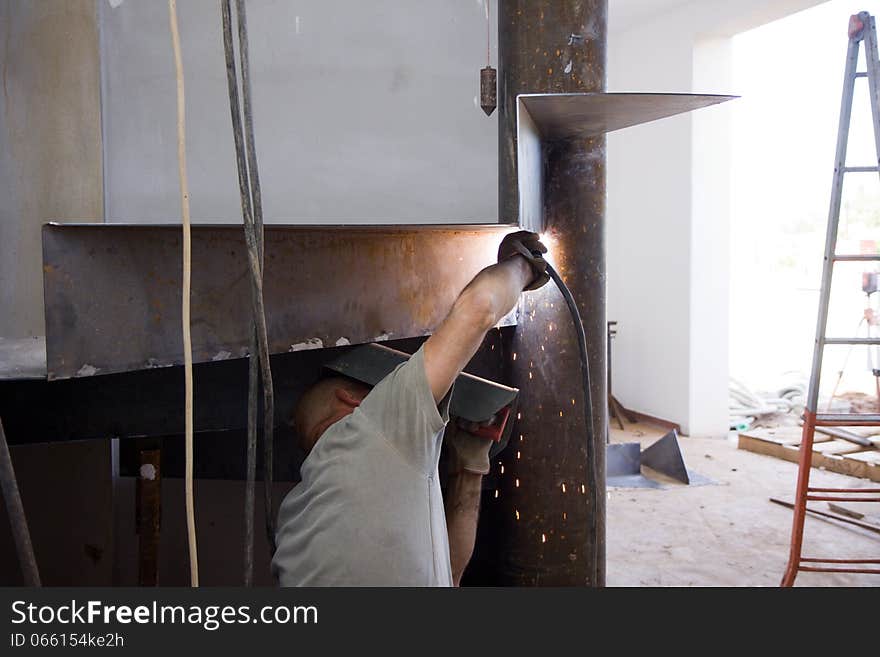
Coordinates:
column 837, row 446
column 768, row 447
column 846, row 464
column 782, row 435
column 870, row 456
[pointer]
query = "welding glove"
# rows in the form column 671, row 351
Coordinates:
column 529, row 246
column 469, row 453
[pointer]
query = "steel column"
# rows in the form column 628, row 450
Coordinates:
column 541, row 509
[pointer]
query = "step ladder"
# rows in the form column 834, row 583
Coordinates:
column 862, row 30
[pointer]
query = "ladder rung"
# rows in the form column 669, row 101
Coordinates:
column 861, row 169
column 853, row 341
column 861, row 74
column 855, row 571
column 849, row 420
column 858, row 491
column 858, row 258
column 841, row 561
column 839, row 498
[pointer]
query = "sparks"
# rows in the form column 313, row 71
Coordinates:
column 563, row 488
column 543, row 538
column 517, row 483
column 517, row 515
column 496, row 494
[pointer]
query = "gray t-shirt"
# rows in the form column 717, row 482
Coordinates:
column 368, row 511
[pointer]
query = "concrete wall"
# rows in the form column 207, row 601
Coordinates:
column 365, row 112
column 668, row 210
column 50, row 142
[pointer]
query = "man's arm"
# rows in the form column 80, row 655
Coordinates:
column 481, row 305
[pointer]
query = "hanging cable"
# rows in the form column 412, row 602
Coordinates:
column 257, row 201
column 17, row 520
column 185, row 310
column 251, row 204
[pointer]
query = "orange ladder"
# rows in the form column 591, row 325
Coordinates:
column 862, row 29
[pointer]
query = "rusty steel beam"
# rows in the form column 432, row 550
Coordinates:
column 540, row 513
column 112, row 291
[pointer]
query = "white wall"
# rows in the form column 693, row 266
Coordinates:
column 364, row 112
column 668, row 210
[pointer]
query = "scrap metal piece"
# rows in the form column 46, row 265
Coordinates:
column 112, row 291
column 623, row 467
column 665, row 457
column 623, row 459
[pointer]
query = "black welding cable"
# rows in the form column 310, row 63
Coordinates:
column 253, row 371
column 259, row 342
column 592, row 461
column 257, row 204
column 253, row 361
column 17, row 520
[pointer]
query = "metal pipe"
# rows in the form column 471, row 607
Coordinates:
column 549, row 516
column 17, row 519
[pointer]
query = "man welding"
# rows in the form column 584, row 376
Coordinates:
column 368, row 510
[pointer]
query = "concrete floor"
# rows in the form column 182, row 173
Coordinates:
column 728, row 534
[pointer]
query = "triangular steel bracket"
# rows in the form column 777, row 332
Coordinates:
column 665, row 457
column 546, row 118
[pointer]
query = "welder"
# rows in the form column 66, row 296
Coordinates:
column 368, row 510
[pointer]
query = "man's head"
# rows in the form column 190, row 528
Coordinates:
column 323, row 405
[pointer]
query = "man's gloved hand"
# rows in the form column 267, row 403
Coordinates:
column 469, row 453
column 527, row 245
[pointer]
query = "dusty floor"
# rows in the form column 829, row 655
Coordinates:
column 728, row 534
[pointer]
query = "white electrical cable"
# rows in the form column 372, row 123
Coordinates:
column 187, row 272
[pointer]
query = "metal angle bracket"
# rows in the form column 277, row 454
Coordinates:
column 665, row 456
column 546, row 118
column 623, row 467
